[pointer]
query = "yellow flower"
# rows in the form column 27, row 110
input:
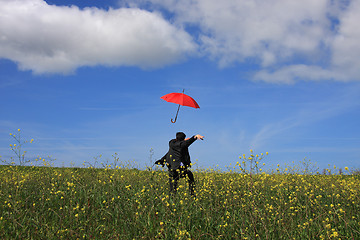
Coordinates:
column 346, row 168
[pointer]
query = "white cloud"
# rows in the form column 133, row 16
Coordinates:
column 346, row 47
column 47, row 38
column 237, row 30
column 289, row 74
column 344, row 50
column 289, row 40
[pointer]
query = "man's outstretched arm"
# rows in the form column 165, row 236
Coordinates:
column 189, row 141
column 197, row 137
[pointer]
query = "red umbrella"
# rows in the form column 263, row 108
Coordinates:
column 181, row 99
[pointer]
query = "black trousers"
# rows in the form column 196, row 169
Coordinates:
column 175, row 175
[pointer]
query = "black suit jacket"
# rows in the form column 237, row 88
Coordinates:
column 178, row 153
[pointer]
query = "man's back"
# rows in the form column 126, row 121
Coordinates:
column 179, row 153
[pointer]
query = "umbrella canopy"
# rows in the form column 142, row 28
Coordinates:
column 181, row 99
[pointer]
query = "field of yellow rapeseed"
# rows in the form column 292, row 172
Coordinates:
column 124, row 203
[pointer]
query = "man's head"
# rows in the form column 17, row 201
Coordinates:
column 180, row 136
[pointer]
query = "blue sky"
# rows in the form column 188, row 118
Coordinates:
column 84, row 78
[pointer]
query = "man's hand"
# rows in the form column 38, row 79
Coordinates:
column 199, row 137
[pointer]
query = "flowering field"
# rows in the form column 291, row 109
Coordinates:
column 123, row 203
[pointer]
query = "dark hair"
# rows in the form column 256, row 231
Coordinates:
column 180, row 136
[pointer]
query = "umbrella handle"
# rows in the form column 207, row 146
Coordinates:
column 174, row 121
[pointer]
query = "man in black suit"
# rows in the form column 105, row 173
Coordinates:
column 178, row 161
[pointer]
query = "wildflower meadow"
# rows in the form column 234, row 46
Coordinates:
column 41, row 201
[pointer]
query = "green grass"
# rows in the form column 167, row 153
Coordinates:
column 89, row 203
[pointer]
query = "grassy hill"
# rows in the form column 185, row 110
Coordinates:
column 92, row 203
